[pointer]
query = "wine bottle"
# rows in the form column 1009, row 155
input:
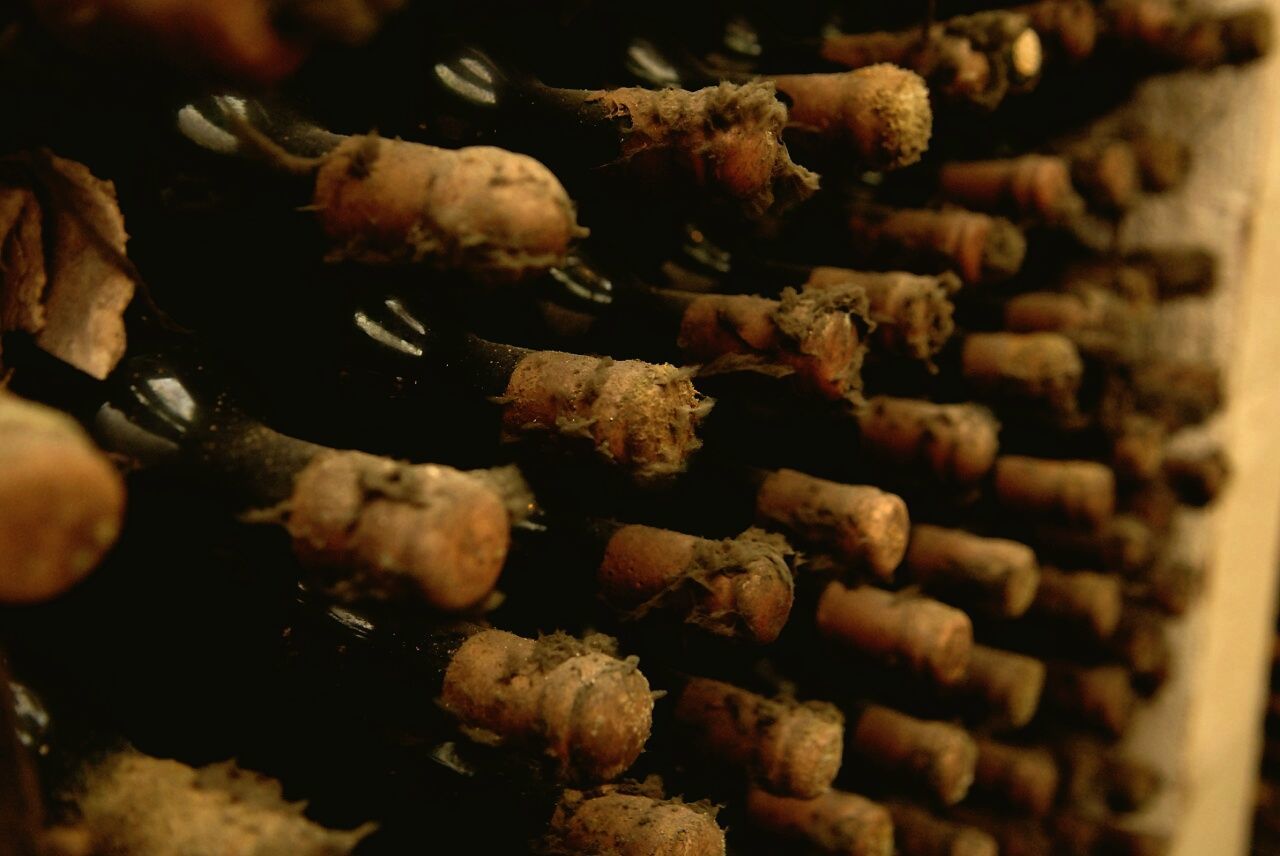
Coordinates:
column 495, row 215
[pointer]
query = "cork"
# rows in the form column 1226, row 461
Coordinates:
column 955, row 444
column 1085, row 600
column 1041, row 369
column 737, row 587
column 978, row 247
column 612, row 820
column 912, row 313
column 1009, row 685
column 785, row 747
column 878, row 115
column 1076, row 493
column 1036, row 186
column 835, row 822
column 63, row 502
column 1025, row 779
column 922, row 635
column 589, row 713
column 1100, row 696
column 639, row 416
column 379, row 527
column 818, row 339
column 499, row 216
column 862, row 526
column 935, row 756
column 995, row 574
column 916, row 832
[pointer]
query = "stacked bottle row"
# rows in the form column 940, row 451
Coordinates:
column 871, row 492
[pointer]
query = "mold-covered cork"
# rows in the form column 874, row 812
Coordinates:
column 896, row 628
column 836, row 822
column 725, row 138
column 1084, row 600
column 934, row 756
column 818, row 338
column 878, row 116
column 996, row 575
column 740, row 587
column 1036, row 186
column 640, row 416
column 916, row 832
column 61, row 502
column 1007, row 685
column 912, row 313
column 786, row 747
column 955, row 444
column 978, row 247
column 1025, row 779
column 1041, row 369
column 136, row 804
column 384, row 527
column 588, row 712
column 862, row 526
column 1075, row 493
column 498, row 216
column 616, row 820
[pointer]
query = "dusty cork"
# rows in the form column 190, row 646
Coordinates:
column 63, row 502
column 1009, row 685
column 498, row 216
column 879, row 115
column 1088, row 601
column 978, row 247
column 786, row 747
column 936, row 756
column 836, row 822
column 912, row 313
column 923, row 635
column 1039, row 368
column 586, row 711
column 740, row 587
column 955, row 444
column 612, row 820
column 725, row 138
column 1101, row 696
column 642, row 417
column 1075, row 493
column 135, row 804
column 817, row 338
column 384, row 527
column 916, row 832
column 862, row 526
column 1036, row 186
column 1025, row 779
column 997, row 575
